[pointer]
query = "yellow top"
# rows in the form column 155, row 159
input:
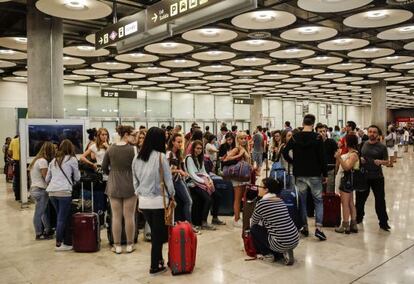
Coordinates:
column 14, row 147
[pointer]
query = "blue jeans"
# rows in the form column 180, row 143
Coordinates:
column 40, row 218
column 315, row 184
column 63, row 210
column 183, row 194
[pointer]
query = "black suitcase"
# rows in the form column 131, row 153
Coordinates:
column 226, row 190
column 123, row 234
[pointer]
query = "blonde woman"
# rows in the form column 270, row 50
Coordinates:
column 97, row 150
column 239, row 153
column 139, row 138
column 38, row 171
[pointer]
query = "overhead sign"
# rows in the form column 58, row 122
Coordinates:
column 119, row 31
column 243, row 101
column 119, row 94
column 167, row 10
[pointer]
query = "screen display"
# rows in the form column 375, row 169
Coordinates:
column 55, row 134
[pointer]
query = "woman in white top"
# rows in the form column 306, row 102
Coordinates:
column 63, row 172
column 211, row 149
column 97, row 150
column 347, row 162
column 38, row 171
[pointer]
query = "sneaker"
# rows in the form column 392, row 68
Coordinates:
column 288, row 257
column 238, row 224
column 217, row 221
column 196, row 230
column 208, row 227
column 117, row 249
column 63, row 247
column 159, row 270
column 305, row 232
column 130, row 248
column 320, row 235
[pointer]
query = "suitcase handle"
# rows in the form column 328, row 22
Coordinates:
column 83, row 199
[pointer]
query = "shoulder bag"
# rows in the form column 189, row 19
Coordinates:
column 170, row 207
column 354, row 179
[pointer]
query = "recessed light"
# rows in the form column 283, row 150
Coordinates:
column 180, row 61
column 210, row 32
column 169, row 45
column 137, row 54
column 308, row 30
column 152, row 68
column 342, row 41
column 21, row 39
column 7, row 51
column 263, row 16
column 370, row 50
column 75, row 4
column 307, row 70
column 66, row 58
column 217, row 66
column 256, row 42
column 85, row 47
column 321, row 58
column 376, row 15
column 406, row 29
column 292, row 50
column 392, row 57
column 111, row 63
column 250, row 59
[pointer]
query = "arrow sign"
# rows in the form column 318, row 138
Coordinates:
column 155, row 18
column 100, row 40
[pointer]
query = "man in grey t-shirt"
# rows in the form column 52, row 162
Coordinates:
column 373, row 156
column 258, row 147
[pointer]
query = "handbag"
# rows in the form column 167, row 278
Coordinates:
column 168, row 209
column 249, row 247
column 354, row 180
column 207, row 185
column 240, row 171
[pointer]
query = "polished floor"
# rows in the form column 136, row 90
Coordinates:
column 372, row 256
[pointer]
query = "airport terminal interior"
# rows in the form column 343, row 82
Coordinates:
column 261, row 73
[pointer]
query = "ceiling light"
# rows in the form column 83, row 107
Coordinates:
column 406, row 29
column 247, row 71
column 366, row 69
column 90, row 70
column 169, row 45
column 292, row 50
column 210, row 32
column 111, row 63
column 307, row 70
column 75, row 4
column 180, row 61
column 7, row 51
column 263, row 16
column 322, row 58
column 370, row 50
column 346, row 64
column 152, row 68
column 308, row 30
column 256, row 42
column 214, row 52
column 342, row 41
column 217, row 66
column 21, row 39
column 137, row 54
column 85, row 47
column 376, row 15
column 250, row 59
column 392, row 57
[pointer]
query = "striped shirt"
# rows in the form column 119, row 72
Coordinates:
column 274, row 216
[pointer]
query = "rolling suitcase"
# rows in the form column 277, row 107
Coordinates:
column 227, row 196
column 289, row 196
column 331, row 210
column 249, row 203
column 86, row 231
column 182, row 248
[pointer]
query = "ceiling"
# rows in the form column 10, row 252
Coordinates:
column 318, row 50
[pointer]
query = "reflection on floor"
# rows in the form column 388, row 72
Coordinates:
column 372, row 256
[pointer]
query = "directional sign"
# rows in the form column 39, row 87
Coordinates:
column 119, row 94
column 119, row 31
column 243, row 101
column 167, row 10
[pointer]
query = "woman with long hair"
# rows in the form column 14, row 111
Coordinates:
column 148, row 165
column 120, row 190
column 227, row 146
column 38, row 172
column 276, row 145
column 239, row 153
column 202, row 185
column 97, row 149
column 197, row 135
column 175, row 158
column 139, row 138
column 63, row 172
column 347, row 162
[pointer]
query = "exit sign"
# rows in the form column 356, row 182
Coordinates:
column 243, row 101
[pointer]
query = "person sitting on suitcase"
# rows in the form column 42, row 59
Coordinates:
column 271, row 226
column 310, row 170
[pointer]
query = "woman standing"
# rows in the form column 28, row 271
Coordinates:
column 38, row 172
column 139, row 138
column 147, row 183
column 237, row 154
column 347, row 162
column 390, row 142
column 120, row 190
column 175, row 158
column 211, row 150
column 276, row 145
column 63, row 172
column 97, row 149
column 202, row 185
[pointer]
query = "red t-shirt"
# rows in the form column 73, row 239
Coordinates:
column 343, row 148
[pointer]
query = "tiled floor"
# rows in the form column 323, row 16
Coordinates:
column 372, row 256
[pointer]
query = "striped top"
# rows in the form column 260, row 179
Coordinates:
column 275, row 217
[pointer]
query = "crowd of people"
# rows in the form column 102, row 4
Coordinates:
column 135, row 169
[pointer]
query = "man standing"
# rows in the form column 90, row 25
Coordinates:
column 349, row 129
column 310, row 170
column 258, row 148
column 330, row 149
column 373, row 156
column 14, row 153
column 287, row 126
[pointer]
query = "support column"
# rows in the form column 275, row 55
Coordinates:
column 256, row 112
column 44, row 64
column 378, row 105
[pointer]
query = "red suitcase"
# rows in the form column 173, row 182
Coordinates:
column 331, row 210
column 86, row 231
column 182, row 248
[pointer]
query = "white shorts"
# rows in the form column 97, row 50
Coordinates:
column 391, row 151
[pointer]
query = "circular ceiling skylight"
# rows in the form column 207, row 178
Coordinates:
column 330, row 6
column 263, row 20
column 371, row 52
column 343, row 44
column 85, row 51
column 309, row 33
column 378, row 18
column 137, row 57
column 169, row 48
column 213, row 55
column 19, row 43
column 292, row 53
column 74, row 9
column 179, row 63
column 255, row 45
column 400, row 33
column 209, row 35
